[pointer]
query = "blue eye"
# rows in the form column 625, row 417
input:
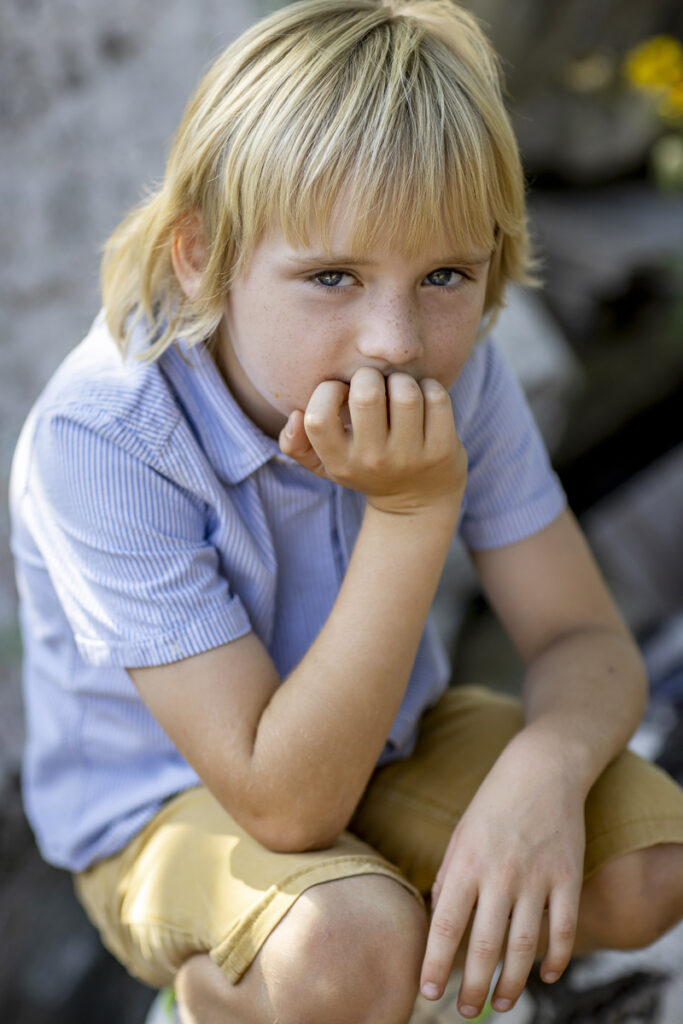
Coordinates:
column 330, row 278
column 443, row 277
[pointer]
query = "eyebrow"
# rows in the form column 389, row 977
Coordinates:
column 321, row 260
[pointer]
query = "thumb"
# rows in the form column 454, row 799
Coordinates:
column 294, row 442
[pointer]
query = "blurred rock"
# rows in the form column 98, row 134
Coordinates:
column 636, row 534
column 594, row 243
column 574, row 115
column 540, row 355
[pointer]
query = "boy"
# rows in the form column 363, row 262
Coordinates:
column 240, row 735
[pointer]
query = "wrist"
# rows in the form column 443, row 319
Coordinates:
column 439, row 514
column 559, row 750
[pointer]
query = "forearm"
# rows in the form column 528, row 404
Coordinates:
column 329, row 720
column 583, row 698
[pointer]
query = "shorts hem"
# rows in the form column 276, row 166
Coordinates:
column 627, row 837
column 236, row 952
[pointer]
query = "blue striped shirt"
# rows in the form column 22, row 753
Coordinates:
column 153, row 520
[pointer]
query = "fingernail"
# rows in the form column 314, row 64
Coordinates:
column 432, row 387
column 289, row 432
column 468, row 1011
column 502, row 1005
column 550, row 976
column 430, row 990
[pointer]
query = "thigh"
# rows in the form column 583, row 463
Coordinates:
column 194, row 882
column 411, row 807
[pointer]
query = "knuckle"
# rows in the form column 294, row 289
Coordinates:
column 564, row 930
column 484, row 949
column 444, row 928
column 313, row 422
column 376, row 463
column 522, row 944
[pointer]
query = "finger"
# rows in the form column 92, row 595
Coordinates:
column 368, row 409
column 483, row 953
column 520, row 952
column 322, row 420
column 406, row 413
column 446, row 930
column 294, row 442
column 563, row 912
column 438, row 411
column 442, row 873
column 293, row 437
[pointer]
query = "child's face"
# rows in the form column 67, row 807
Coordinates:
column 296, row 317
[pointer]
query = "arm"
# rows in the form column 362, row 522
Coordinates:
column 258, row 744
column 519, row 847
column 585, row 688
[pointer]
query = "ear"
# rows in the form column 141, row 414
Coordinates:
column 188, row 253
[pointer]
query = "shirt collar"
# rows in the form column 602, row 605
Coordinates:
column 233, row 443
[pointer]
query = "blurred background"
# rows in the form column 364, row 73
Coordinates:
column 90, row 93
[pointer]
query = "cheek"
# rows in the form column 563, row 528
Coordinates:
column 453, row 337
column 285, row 358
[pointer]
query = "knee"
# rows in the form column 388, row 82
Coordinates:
column 635, row 899
column 348, row 956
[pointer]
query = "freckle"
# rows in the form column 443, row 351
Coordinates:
column 277, row 394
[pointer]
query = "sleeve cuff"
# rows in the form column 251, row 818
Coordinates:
column 515, row 525
column 217, row 625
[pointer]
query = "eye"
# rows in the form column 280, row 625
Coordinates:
column 445, row 277
column 330, row 279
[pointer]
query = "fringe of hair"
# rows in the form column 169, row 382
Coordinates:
column 392, row 107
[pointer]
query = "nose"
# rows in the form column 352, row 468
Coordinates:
column 390, row 333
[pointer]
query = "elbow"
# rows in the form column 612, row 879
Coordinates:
column 292, row 835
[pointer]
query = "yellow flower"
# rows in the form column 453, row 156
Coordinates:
column 655, row 64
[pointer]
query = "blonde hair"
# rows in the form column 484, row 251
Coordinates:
column 393, row 104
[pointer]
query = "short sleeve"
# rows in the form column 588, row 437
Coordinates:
column 126, row 550
column 512, row 490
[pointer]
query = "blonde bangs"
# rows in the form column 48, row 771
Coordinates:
column 386, row 112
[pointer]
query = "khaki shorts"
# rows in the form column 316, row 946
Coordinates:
column 192, row 881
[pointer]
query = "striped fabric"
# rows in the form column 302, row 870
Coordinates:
column 152, row 520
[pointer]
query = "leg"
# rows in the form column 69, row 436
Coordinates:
column 347, row 952
column 629, row 903
column 411, row 808
column 633, row 900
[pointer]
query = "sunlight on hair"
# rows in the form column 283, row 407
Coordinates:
column 396, row 106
